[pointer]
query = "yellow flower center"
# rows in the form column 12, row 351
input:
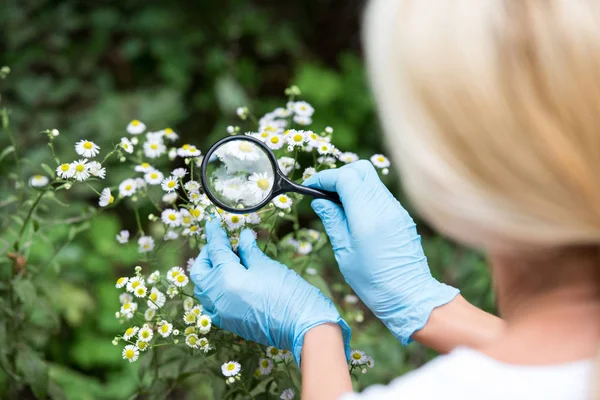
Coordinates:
column 145, row 165
column 121, row 280
column 145, row 334
column 298, row 137
column 164, row 328
column 275, row 139
column 263, row 183
column 135, row 284
column 80, row 168
column 87, row 145
column 128, row 187
column 174, row 274
column 235, row 219
column 65, row 167
column 153, row 296
column 187, row 220
column 231, row 367
column 264, row 134
column 196, row 212
column 324, row 148
column 154, row 146
column 192, row 340
column 129, row 353
column 283, row 199
column 126, row 306
column 129, row 332
column 313, row 136
column 141, row 345
column 180, row 278
column 274, row 351
column 140, row 291
column 193, row 228
column 168, row 131
column 196, row 311
column 204, row 322
column 265, row 363
column 189, row 330
column 172, row 217
column 153, row 175
column 171, row 184
column 135, row 122
column 380, row 159
column 356, row 356
column 111, row 199
column 245, row 146
column 190, row 317
column 185, row 146
column 125, row 146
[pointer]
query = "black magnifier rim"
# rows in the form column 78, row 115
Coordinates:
column 269, row 154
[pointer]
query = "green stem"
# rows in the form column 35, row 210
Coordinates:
column 91, row 187
column 6, row 128
column 109, row 154
column 270, row 235
column 51, row 145
column 27, row 218
column 139, row 222
column 246, row 390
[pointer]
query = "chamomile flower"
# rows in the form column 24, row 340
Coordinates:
column 285, row 355
column 188, row 303
column 204, row 344
column 145, row 244
column 287, row 394
column 282, row 201
column 174, row 273
column 252, row 218
column 308, row 172
column 131, row 353
column 265, row 366
column 312, row 138
column 170, row 198
column 156, row 299
column 197, row 309
column 380, row 161
column 81, row 170
column 204, row 324
column 127, row 188
column 126, row 145
column 273, row 352
column 128, row 308
column 327, row 160
column 192, row 230
column 145, row 334
column 261, row 184
column 197, row 213
column 134, row 282
column 295, row 138
column 234, row 221
column 150, row 313
column 286, row 164
column 141, row 345
column 304, row 247
column 106, row 198
column 154, row 148
column 192, row 186
column 190, row 317
column 192, row 341
column 348, row 157
column 136, row 127
column 96, row 169
column 39, row 181
column 171, row 218
column 130, row 332
column 370, row 362
column 164, row 328
column 123, row 237
column 122, row 281
column 170, row 184
column 154, row 177
column 188, row 150
column 172, row 154
column 358, row 357
column 189, row 330
column 186, row 217
column 144, row 167
column 325, row 148
column 181, row 280
column 153, row 277
column 231, row 368
column 170, row 134
column 302, row 120
column 275, row 141
column 350, row 299
column 171, row 235
column 179, row 172
column 194, row 197
column 303, row 108
column 65, row 171
column 140, row 291
column 87, row 149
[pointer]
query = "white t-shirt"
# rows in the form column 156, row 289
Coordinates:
column 465, row 374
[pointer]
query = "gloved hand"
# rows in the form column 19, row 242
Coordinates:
column 378, row 250
column 256, row 297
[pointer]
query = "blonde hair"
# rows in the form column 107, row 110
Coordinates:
column 492, row 110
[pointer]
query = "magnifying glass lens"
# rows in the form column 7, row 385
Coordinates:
column 240, row 174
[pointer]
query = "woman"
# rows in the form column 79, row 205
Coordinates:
column 492, row 110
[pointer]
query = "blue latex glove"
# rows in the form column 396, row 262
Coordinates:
column 378, row 250
column 256, row 297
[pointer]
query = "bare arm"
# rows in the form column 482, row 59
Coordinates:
column 325, row 372
column 458, row 323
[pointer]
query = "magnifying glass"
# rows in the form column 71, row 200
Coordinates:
column 240, row 174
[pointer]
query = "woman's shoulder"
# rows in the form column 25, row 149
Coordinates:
column 467, row 374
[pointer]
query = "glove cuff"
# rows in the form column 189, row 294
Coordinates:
column 346, row 335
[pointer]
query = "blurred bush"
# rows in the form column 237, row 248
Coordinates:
column 88, row 67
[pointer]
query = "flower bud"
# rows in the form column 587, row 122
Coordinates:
column 55, row 132
column 364, row 371
column 134, row 141
column 68, row 186
column 176, row 341
column 122, row 159
column 329, row 129
column 385, row 171
column 138, row 269
column 117, row 315
column 242, row 112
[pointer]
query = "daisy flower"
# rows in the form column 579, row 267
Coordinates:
column 325, row 148
column 131, row 353
column 170, row 134
column 204, row 324
column 288, row 394
column 154, row 177
column 126, row 145
column 145, row 244
column 295, row 138
column 312, row 138
column 265, row 366
column 303, row 108
column 80, row 169
column 370, row 362
column 145, row 334
column 231, row 368
column 106, row 198
column 153, row 277
column 188, row 150
column 191, row 231
column 65, row 171
column 282, row 201
column 186, row 217
column 190, row 317
column 204, row 344
column 197, row 213
column 129, row 308
column 96, row 169
column 164, row 328
column 189, row 330
column 313, row 234
column 348, row 157
column 172, row 154
column 274, row 141
column 127, row 188
column 170, row 184
column 123, row 237
column 273, row 352
column 192, row 341
column 302, row 120
column 130, row 332
column 122, row 281
column 39, row 181
column 171, row 217
column 181, row 280
column 380, row 161
column 156, row 299
column 285, row 355
column 149, row 314
column 141, row 345
column 144, row 167
column 171, row 235
column 261, row 184
column 87, row 149
column 125, row 298
column 154, row 149
column 173, row 273
column 194, row 197
column 134, row 282
column 192, row 186
column 188, row 303
column 140, row 291
column 179, row 172
column 172, row 291
column 136, row 127
column 304, row 247
column 286, row 164
column 234, row 221
column 308, row 172
column 170, row 198
column 358, row 357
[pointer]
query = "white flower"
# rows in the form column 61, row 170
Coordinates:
column 197, row 213
column 348, row 157
column 230, row 130
column 154, row 148
column 192, row 341
column 106, row 198
column 96, row 169
column 141, row 345
column 303, row 108
column 192, row 186
column 380, row 161
column 156, row 298
column 140, row 291
column 131, row 353
column 145, row 244
column 285, row 355
column 188, row 303
column 136, row 127
column 310, row 271
column 370, row 362
column 179, row 172
column 122, row 281
column 312, row 138
column 261, row 184
column 170, row 184
column 234, row 221
column 204, row 324
column 282, row 201
column 134, row 283
column 154, row 177
column 328, row 160
column 242, row 112
column 171, row 217
column 173, row 273
column 144, row 167
column 288, row 394
column 308, row 172
column 231, row 368
column 302, row 120
column 123, row 237
column 171, row 235
column 358, row 357
column 350, row 299
column 273, row 352
column 196, row 309
column 125, row 298
column 149, row 314
column 186, row 217
column 325, row 148
column 188, row 150
column 145, row 334
column 304, row 247
column 55, row 132
column 164, row 328
column 328, row 129
column 130, row 332
column 65, row 171
column 172, row 153
column 39, row 181
column 170, row 134
column 81, row 170
column 154, row 277
column 127, row 188
column 204, row 344
column 286, row 164
column 170, row 198
column 193, row 230
column 181, row 280
column 253, row 218
column 87, row 149
column 265, row 366
column 126, row 145
column 274, row 141
column 295, row 138
column 190, row 317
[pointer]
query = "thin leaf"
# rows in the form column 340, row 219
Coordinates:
column 6, row 152
column 48, row 170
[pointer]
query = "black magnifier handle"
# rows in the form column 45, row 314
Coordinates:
column 289, row 186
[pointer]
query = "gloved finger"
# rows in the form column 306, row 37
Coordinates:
column 218, row 245
column 201, row 267
column 335, row 222
column 248, row 250
column 346, row 181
